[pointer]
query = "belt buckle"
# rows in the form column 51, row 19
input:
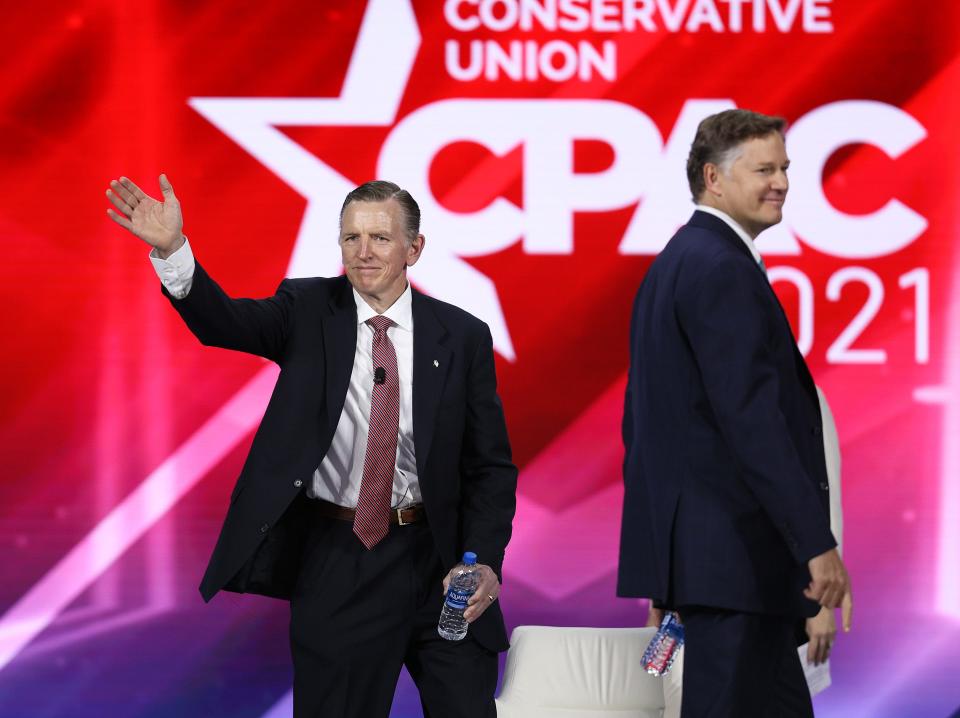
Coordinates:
column 400, row 520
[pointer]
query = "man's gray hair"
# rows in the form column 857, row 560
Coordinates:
column 381, row 191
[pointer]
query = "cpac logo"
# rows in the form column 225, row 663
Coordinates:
column 647, row 169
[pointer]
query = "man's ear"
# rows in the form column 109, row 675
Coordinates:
column 711, row 179
column 416, row 249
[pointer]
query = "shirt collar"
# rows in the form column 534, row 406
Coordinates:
column 732, row 223
column 400, row 312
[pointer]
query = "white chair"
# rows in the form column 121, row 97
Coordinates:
column 583, row 673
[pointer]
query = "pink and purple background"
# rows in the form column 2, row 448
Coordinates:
column 121, row 436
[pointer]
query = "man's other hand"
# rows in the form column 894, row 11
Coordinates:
column 829, row 583
column 488, row 590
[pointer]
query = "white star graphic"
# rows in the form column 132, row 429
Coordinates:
column 376, row 80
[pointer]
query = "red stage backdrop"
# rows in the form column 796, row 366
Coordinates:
column 545, row 141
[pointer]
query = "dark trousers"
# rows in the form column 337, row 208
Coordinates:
column 741, row 665
column 357, row 616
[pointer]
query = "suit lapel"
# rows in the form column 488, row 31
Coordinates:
column 339, row 348
column 718, row 226
column 431, row 362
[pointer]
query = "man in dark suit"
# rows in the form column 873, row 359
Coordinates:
column 726, row 498
column 382, row 456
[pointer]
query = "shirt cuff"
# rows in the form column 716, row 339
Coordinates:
column 176, row 271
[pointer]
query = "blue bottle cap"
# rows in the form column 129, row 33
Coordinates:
column 469, row 558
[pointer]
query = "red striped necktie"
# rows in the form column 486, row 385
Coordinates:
column 372, row 519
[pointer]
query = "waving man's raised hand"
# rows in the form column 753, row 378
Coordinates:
column 159, row 224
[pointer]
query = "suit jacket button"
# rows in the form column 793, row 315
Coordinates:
column 264, row 528
column 815, row 431
column 298, row 483
column 824, row 485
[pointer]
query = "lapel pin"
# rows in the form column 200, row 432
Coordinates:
column 436, row 363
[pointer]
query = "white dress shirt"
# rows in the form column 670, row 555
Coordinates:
column 176, row 271
column 338, row 477
column 735, row 226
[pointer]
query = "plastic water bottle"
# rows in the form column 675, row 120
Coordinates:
column 452, row 625
column 663, row 648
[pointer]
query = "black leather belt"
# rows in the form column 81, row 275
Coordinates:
column 401, row 517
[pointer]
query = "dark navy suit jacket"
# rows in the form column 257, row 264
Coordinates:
column 726, row 495
column 309, row 328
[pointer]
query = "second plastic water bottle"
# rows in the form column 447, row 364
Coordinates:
column 465, row 579
column 662, row 650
